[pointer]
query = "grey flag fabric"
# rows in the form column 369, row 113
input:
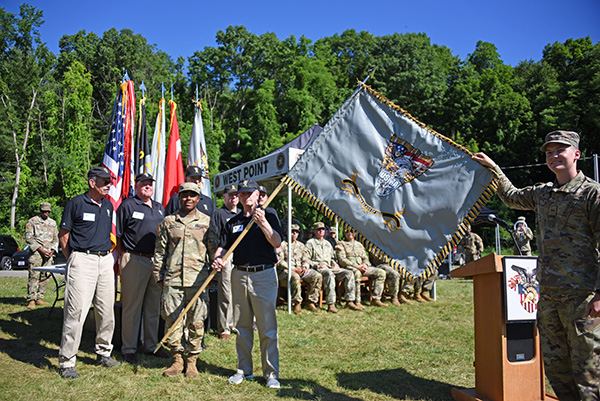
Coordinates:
column 408, row 190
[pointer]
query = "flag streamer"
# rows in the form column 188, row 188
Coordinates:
column 407, row 190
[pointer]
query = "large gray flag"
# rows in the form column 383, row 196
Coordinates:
column 408, row 190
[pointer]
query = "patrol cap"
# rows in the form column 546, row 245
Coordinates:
column 318, row 224
column 262, row 189
column 45, row 207
column 565, row 137
column 295, row 227
column 247, row 186
column 190, row 186
column 230, row 189
column 194, row 171
column 99, row 172
column 521, row 218
column 143, row 176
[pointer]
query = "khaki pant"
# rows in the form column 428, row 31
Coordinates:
column 224, row 305
column 254, row 296
column 140, row 296
column 89, row 278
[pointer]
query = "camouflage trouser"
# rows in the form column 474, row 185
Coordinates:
column 330, row 277
column 374, row 273
column 36, row 286
column 422, row 285
column 470, row 257
column 570, row 343
column 392, row 279
column 174, row 300
column 312, row 278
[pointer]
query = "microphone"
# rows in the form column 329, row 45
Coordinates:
column 492, row 217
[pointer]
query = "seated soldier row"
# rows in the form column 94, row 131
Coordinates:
column 322, row 267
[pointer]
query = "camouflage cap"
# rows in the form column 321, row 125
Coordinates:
column 45, row 207
column 295, row 227
column 189, row 186
column 565, row 137
column 521, row 218
column 99, row 172
column 230, row 189
column 318, row 224
column 194, row 171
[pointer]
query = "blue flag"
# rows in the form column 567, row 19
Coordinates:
column 407, row 190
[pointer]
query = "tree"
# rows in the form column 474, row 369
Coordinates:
column 25, row 66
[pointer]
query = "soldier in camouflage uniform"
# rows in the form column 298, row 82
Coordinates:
column 393, row 281
column 472, row 245
column 179, row 268
column 523, row 235
column 568, row 227
column 41, row 234
column 423, row 287
column 352, row 255
column 321, row 257
column 300, row 271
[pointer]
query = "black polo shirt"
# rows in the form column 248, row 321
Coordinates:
column 137, row 224
column 205, row 205
column 254, row 249
column 89, row 225
column 221, row 217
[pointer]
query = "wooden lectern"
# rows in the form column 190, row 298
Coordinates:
column 496, row 378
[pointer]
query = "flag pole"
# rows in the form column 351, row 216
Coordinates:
column 214, row 272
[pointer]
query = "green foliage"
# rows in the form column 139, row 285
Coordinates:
column 259, row 92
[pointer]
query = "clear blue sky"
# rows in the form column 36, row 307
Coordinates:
column 519, row 28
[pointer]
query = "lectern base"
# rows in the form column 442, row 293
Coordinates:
column 469, row 394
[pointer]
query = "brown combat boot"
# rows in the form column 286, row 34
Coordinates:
column 377, row 302
column 31, row 304
column 190, row 369
column 331, row 308
column 177, row 366
column 395, row 300
column 426, row 297
column 41, row 303
column 312, row 307
column 297, row 308
column 418, row 297
column 404, row 299
column 353, row 306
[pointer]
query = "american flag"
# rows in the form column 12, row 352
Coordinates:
column 117, row 152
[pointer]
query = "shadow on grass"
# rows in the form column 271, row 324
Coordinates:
column 310, row 390
column 396, row 383
column 14, row 300
column 36, row 338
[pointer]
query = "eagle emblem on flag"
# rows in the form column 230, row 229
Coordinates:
column 402, row 163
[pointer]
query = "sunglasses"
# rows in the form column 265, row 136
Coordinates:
column 102, row 181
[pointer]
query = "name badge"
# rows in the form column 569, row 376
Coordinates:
column 89, row 217
column 138, row 215
column 237, row 229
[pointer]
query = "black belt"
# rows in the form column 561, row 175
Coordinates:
column 256, row 268
column 99, row 253
column 146, row 255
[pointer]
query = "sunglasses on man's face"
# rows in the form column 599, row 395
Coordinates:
column 102, row 181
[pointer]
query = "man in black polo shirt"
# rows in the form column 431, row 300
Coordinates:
column 205, row 205
column 137, row 223
column 84, row 236
column 253, row 283
column 220, row 218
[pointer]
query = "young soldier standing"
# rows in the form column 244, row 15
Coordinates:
column 568, row 227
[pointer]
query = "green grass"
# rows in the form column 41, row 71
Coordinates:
column 414, row 352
